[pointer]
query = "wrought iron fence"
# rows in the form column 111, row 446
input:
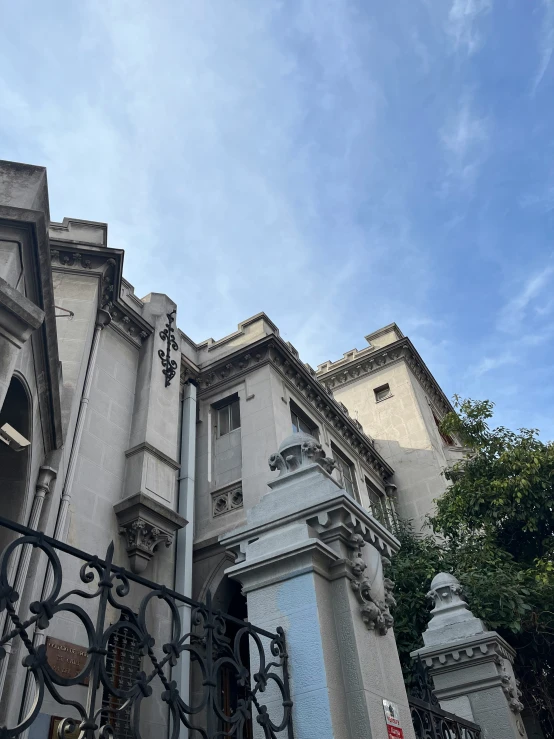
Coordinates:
column 428, row 718
column 124, row 661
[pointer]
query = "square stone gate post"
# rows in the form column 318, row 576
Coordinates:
column 470, row 666
column 311, row 560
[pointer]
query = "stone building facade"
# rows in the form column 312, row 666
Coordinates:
column 134, row 433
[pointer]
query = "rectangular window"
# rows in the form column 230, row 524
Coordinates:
column 123, row 661
column 228, row 417
column 302, row 423
column 347, row 472
column 382, row 393
column 377, row 503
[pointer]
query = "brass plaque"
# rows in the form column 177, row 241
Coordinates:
column 66, row 659
column 55, row 721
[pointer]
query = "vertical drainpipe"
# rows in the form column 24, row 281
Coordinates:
column 46, row 476
column 183, row 557
column 103, row 319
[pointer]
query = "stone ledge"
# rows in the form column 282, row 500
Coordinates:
column 144, row 446
column 21, row 316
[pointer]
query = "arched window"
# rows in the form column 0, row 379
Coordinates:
column 14, row 465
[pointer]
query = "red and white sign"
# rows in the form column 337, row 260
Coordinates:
column 395, row 732
column 392, row 717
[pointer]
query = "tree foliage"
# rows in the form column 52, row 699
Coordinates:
column 494, row 529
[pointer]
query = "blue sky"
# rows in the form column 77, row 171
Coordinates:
column 339, row 164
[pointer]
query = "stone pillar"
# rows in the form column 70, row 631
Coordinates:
column 311, row 559
column 147, row 514
column 470, row 666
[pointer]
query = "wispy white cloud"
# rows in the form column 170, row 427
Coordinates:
column 465, row 139
column 462, row 24
column 546, row 43
column 489, row 364
column 518, row 306
column 541, row 200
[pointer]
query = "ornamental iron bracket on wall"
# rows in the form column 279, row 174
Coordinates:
column 168, row 335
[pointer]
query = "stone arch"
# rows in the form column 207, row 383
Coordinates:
column 227, row 597
column 216, row 582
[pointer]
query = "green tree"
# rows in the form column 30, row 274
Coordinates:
column 493, row 529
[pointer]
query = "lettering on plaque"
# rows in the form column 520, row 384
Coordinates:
column 66, row 659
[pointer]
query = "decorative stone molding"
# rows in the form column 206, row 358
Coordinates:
column 340, row 522
column 510, row 688
column 142, row 539
column 335, row 374
column 451, row 618
column 299, row 450
column 375, row 612
column 70, row 259
column 224, row 501
column 107, row 267
column 145, row 524
column 275, row 352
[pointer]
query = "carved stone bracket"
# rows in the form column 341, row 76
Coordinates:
column 510, row 688
column 71, row 259
column 299, row 450
column 375, row 612
column 142, row 540
column 145, row 524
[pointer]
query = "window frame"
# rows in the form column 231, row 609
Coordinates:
column 343, row 461
column 380, row 389
column 382, row 514
column 295, row 410
column 227, row 405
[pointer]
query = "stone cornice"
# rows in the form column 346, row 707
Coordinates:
column 333, row 518
column 144, row 446
column 107, row 265
column 365, row 362
column 483, row 647
column 274, row 351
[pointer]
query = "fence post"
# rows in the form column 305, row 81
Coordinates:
column 311, row 558
column 470, row 666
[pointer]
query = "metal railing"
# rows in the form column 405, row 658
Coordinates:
column 221, row 649
column 429, row 719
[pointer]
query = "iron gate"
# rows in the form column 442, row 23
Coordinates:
column 125, row 661
column 428, row 718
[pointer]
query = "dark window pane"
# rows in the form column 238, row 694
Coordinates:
column 300, row 424
column 235, row 415
column 382, row 392
column 223, row 420
column 347, row 473
column 295, row 423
